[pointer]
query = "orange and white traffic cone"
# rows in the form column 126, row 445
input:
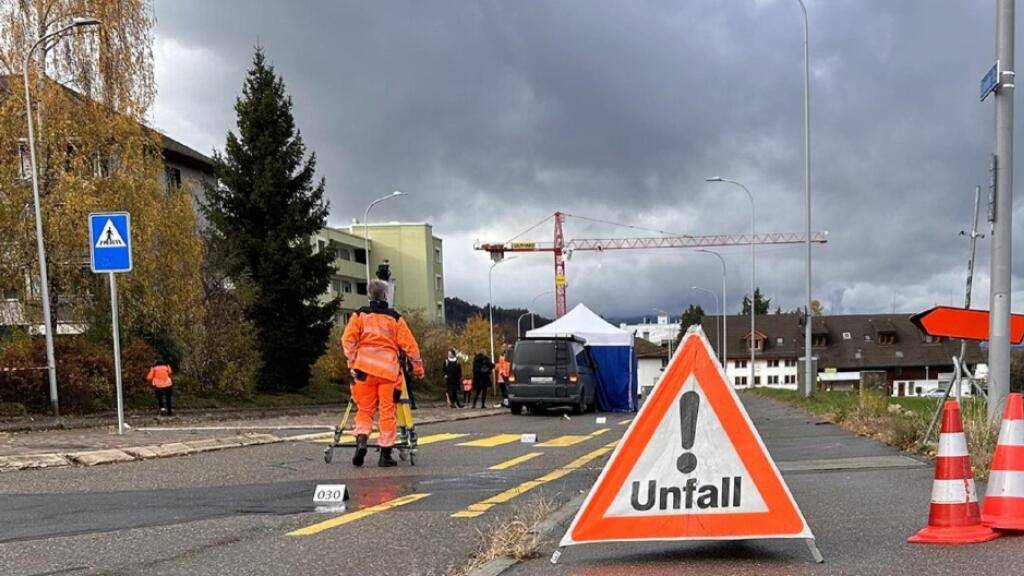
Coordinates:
column 1004, row 499
column 954, row 516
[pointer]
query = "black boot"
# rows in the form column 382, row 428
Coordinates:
column 386, row 461
column 360, row 455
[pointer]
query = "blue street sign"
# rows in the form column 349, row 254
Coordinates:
column 110, row 242
column 990, row 81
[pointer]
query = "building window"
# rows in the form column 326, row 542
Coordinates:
column 24, row 160
column 758, row 344
column 343, row 254
column 847, row 336
column 437, row 254
column 647, row 335
column 346, row 286
column 360, row 256
column 664, row 363
column 437, row 282
column 361, row 288
column 336, row 285
column 780, row 341
column 867, row 338
column 320, row 246
column 899, row 354
column 740, row 364
column 440, row 309
column 757, row 380
column 773, row 379
column 773, row 363
column 172, row 178
column 819, row 341
column 790, row 379
column 887, row 338
column 790, row 363
column 741, row 380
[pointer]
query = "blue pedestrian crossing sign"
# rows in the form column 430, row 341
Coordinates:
column 110, row 241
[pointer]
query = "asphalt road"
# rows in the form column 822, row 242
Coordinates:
column 862, row 500
column 249, row 510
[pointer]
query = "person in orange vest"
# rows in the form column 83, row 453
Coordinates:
column 503, row 369
column 160, row 377
column 372, row 341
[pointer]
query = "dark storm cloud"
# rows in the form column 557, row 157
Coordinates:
column 494, row 114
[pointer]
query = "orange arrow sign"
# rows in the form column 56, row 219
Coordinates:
column 963, row 323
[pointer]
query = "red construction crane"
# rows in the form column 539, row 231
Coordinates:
column 559, row 247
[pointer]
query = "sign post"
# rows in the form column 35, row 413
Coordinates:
column 110, row 251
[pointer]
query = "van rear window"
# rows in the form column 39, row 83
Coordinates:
column 535, row 353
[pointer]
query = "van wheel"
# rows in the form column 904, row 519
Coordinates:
column 516, row 409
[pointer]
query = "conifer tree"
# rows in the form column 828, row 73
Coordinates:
column 265, row 210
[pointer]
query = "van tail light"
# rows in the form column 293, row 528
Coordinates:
column 574, row 378
column 512, row 378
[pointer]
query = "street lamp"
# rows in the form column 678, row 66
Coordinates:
column 51, row 365
column 533, row 319
column 725, row 304
column 490, row 300
column 808, row 371
column 753, row 288
column 366, row 234
column 718, row 308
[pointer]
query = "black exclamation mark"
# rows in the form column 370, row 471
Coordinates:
column 689, row 404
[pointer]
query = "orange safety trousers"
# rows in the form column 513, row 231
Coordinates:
column 370, row 394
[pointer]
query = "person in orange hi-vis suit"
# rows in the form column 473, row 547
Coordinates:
column 372, row 340
column 160, row 377
column 503, row 369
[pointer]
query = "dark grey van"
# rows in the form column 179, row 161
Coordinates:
column 552, row 371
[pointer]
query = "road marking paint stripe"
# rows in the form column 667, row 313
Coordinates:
column 626, row 421
column 433, row 438
column 474, row 510
column 571, row 439
column 515, row 461
column 356, row 515
column 492, row 441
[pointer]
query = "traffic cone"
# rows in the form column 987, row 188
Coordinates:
column 954, row 516
column 1004, row 499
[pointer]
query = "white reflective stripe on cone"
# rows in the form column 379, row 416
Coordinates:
column 1011, row 433
column 952, row 445
column 953, row 492
column 1006, row 484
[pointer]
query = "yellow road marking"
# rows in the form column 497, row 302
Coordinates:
column 515, row 461
column 474, row 510
column 626, row 421
column 356, row 515
column 432, row 438
column 571, row 439
column 492, row 441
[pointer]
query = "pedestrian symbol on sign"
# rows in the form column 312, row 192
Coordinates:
column 110, row 237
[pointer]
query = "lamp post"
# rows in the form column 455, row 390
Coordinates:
column 753, row 287
column 51, row 365
column 490, row 300
column 808, row 370
column 533, row 318
column 366, row 233
column 725, row 304
column 718, row 308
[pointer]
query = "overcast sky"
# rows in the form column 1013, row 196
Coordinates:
column 492, row 115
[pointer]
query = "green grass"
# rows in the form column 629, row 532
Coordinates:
column 899, row 422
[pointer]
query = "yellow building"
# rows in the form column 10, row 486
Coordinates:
column 415, row 255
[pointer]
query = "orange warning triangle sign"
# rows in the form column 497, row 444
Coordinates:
column 691, row 466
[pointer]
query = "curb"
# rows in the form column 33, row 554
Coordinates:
column 541, row 531
column 168, row 450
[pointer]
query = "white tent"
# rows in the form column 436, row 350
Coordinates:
column 583, row 323
column 611, row 349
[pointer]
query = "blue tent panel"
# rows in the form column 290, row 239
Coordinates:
column 616, row 378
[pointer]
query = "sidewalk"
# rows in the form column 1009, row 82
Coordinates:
column 152, row 437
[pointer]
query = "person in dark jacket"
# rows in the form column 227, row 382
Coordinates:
column 453, row 378
column 482, row 368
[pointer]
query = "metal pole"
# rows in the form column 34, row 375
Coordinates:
column 117, row 353
column 1002, row 225
column 808, row 365
column 725, row 304
column 490, row 306
column 718, row 307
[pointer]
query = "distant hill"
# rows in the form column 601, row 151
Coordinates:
column 457, row 311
